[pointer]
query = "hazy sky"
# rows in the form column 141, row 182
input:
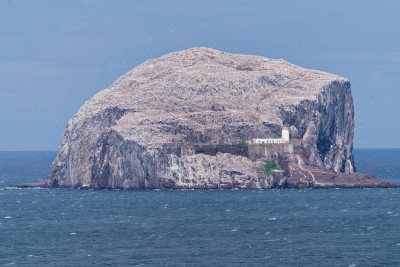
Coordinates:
column 55, row 55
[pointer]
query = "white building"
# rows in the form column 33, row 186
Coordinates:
column 283, row 140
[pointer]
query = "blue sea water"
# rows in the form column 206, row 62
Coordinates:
column 314, row 227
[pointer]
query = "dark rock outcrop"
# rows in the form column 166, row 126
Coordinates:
column 146, row 129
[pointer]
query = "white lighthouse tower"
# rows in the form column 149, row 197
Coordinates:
column 285, row 132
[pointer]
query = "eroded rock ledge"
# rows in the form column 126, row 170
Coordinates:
column 144, row 131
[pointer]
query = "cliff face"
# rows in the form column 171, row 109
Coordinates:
column 139, row 133
column 327, row 127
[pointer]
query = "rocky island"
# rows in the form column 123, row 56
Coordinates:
column 185, row 121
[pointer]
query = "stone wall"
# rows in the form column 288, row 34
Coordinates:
column 212, row 150
column 271, row 151
column 252, row 151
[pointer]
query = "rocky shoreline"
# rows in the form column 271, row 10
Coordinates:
column 344, row 182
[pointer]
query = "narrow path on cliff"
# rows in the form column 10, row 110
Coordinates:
column 268, row 94
column 312, row 176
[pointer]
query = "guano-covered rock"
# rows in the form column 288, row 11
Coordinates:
column 145, row 130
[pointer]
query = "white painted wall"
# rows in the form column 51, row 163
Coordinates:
column 283, row 140
column 267, row 141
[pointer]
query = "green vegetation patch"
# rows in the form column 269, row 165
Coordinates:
column 271, row 165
